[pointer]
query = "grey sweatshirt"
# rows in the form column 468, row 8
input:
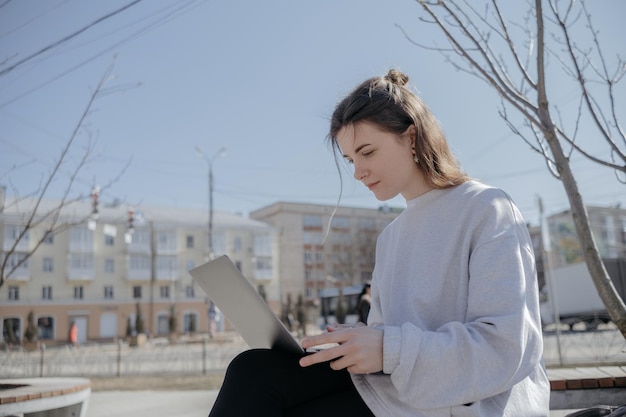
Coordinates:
column 455, row 290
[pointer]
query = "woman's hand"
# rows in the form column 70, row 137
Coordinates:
column 359, row 350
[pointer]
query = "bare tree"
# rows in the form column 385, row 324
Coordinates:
column 36, row 215
column 518, row 58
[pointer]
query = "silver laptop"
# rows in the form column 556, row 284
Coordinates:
column 242, row 305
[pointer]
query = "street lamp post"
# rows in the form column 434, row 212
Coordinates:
column 209, row 162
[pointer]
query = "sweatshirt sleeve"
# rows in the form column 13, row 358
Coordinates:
column 497, row 345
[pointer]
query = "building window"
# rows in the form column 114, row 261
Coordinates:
column 189, row 291
column 262, row 245
column 46, row 327
column 219, row 243
column 190, row 264
column 312, row 238
column 164, row 290
column 166, row 266
column 48, row 238
column 81, row 238
column 78, row 292
column 166, row 241
column 48, row 264
column 237, row 244
column 108, row 292
column 339, row 222
column 366, row 223
column 12, row 233
column 311, row 221
column 189, row 242
column 109, row 265
column 46, row 292
column 14, row 293
column 11, row 330
column 17, row 261
column 190, row 323
column 139, row 263
column 137, row 292
column 81, row 261
column 109, row 240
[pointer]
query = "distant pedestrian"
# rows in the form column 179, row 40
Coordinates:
column 365, row 301
column 73, row 335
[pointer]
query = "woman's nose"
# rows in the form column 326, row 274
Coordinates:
column 359, row 172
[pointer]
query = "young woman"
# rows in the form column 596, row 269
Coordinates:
column 454, row 326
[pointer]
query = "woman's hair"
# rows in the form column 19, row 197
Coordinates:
column 388, row 103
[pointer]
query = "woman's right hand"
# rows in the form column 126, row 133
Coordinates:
column 359, row 350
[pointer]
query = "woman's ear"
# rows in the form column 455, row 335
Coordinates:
column 410, row 133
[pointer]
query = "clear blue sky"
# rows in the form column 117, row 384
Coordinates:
column 259, row 78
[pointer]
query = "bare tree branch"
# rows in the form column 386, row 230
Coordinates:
column 469, row 34
column 50, row 218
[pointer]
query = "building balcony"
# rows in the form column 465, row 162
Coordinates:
column 263, row 275
column 80, row 274
column 138, row 274
column 166, row 275
column 22, row 246
column 20, row 274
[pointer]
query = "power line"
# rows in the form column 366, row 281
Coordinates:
column 66, row 38
column 125, row 40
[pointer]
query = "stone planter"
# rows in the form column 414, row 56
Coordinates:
column 138, row 341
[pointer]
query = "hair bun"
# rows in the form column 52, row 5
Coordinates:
column 397, row 77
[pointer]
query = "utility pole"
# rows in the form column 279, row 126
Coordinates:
column 152, row 278
column 211, row 253
column 209, row 162
column 546, row 255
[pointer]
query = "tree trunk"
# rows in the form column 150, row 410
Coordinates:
column 606, row 290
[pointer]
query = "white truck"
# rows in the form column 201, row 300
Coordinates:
column 575, row 296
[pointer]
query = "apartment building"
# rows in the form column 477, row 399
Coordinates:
column 97, row 271
column 324, row 246
column 608, row 225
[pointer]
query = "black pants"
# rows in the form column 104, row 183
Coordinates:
column 264, row 382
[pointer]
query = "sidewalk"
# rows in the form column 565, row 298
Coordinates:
column 151, row 403
column 166, row 404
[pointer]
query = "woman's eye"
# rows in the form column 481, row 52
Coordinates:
column 368, row 153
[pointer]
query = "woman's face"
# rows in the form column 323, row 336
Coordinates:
column 382, row 161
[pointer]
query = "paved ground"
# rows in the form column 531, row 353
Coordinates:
column 151, row 403
column 193, row 395
column 166, row 403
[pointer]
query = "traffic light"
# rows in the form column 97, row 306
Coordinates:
column 131, row 221
column 95, row 194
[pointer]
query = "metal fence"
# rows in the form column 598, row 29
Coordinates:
column 198, row 357
column 606, row 345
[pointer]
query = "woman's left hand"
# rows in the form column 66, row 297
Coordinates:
column 359, row 350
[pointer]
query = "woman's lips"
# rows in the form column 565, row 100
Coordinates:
column 372, row 185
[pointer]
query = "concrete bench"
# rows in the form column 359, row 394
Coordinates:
column 584, row 387
column 44, row 397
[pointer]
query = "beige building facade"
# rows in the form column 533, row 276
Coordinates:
column 100, row 272
column 608, row 225
column 322, row 247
